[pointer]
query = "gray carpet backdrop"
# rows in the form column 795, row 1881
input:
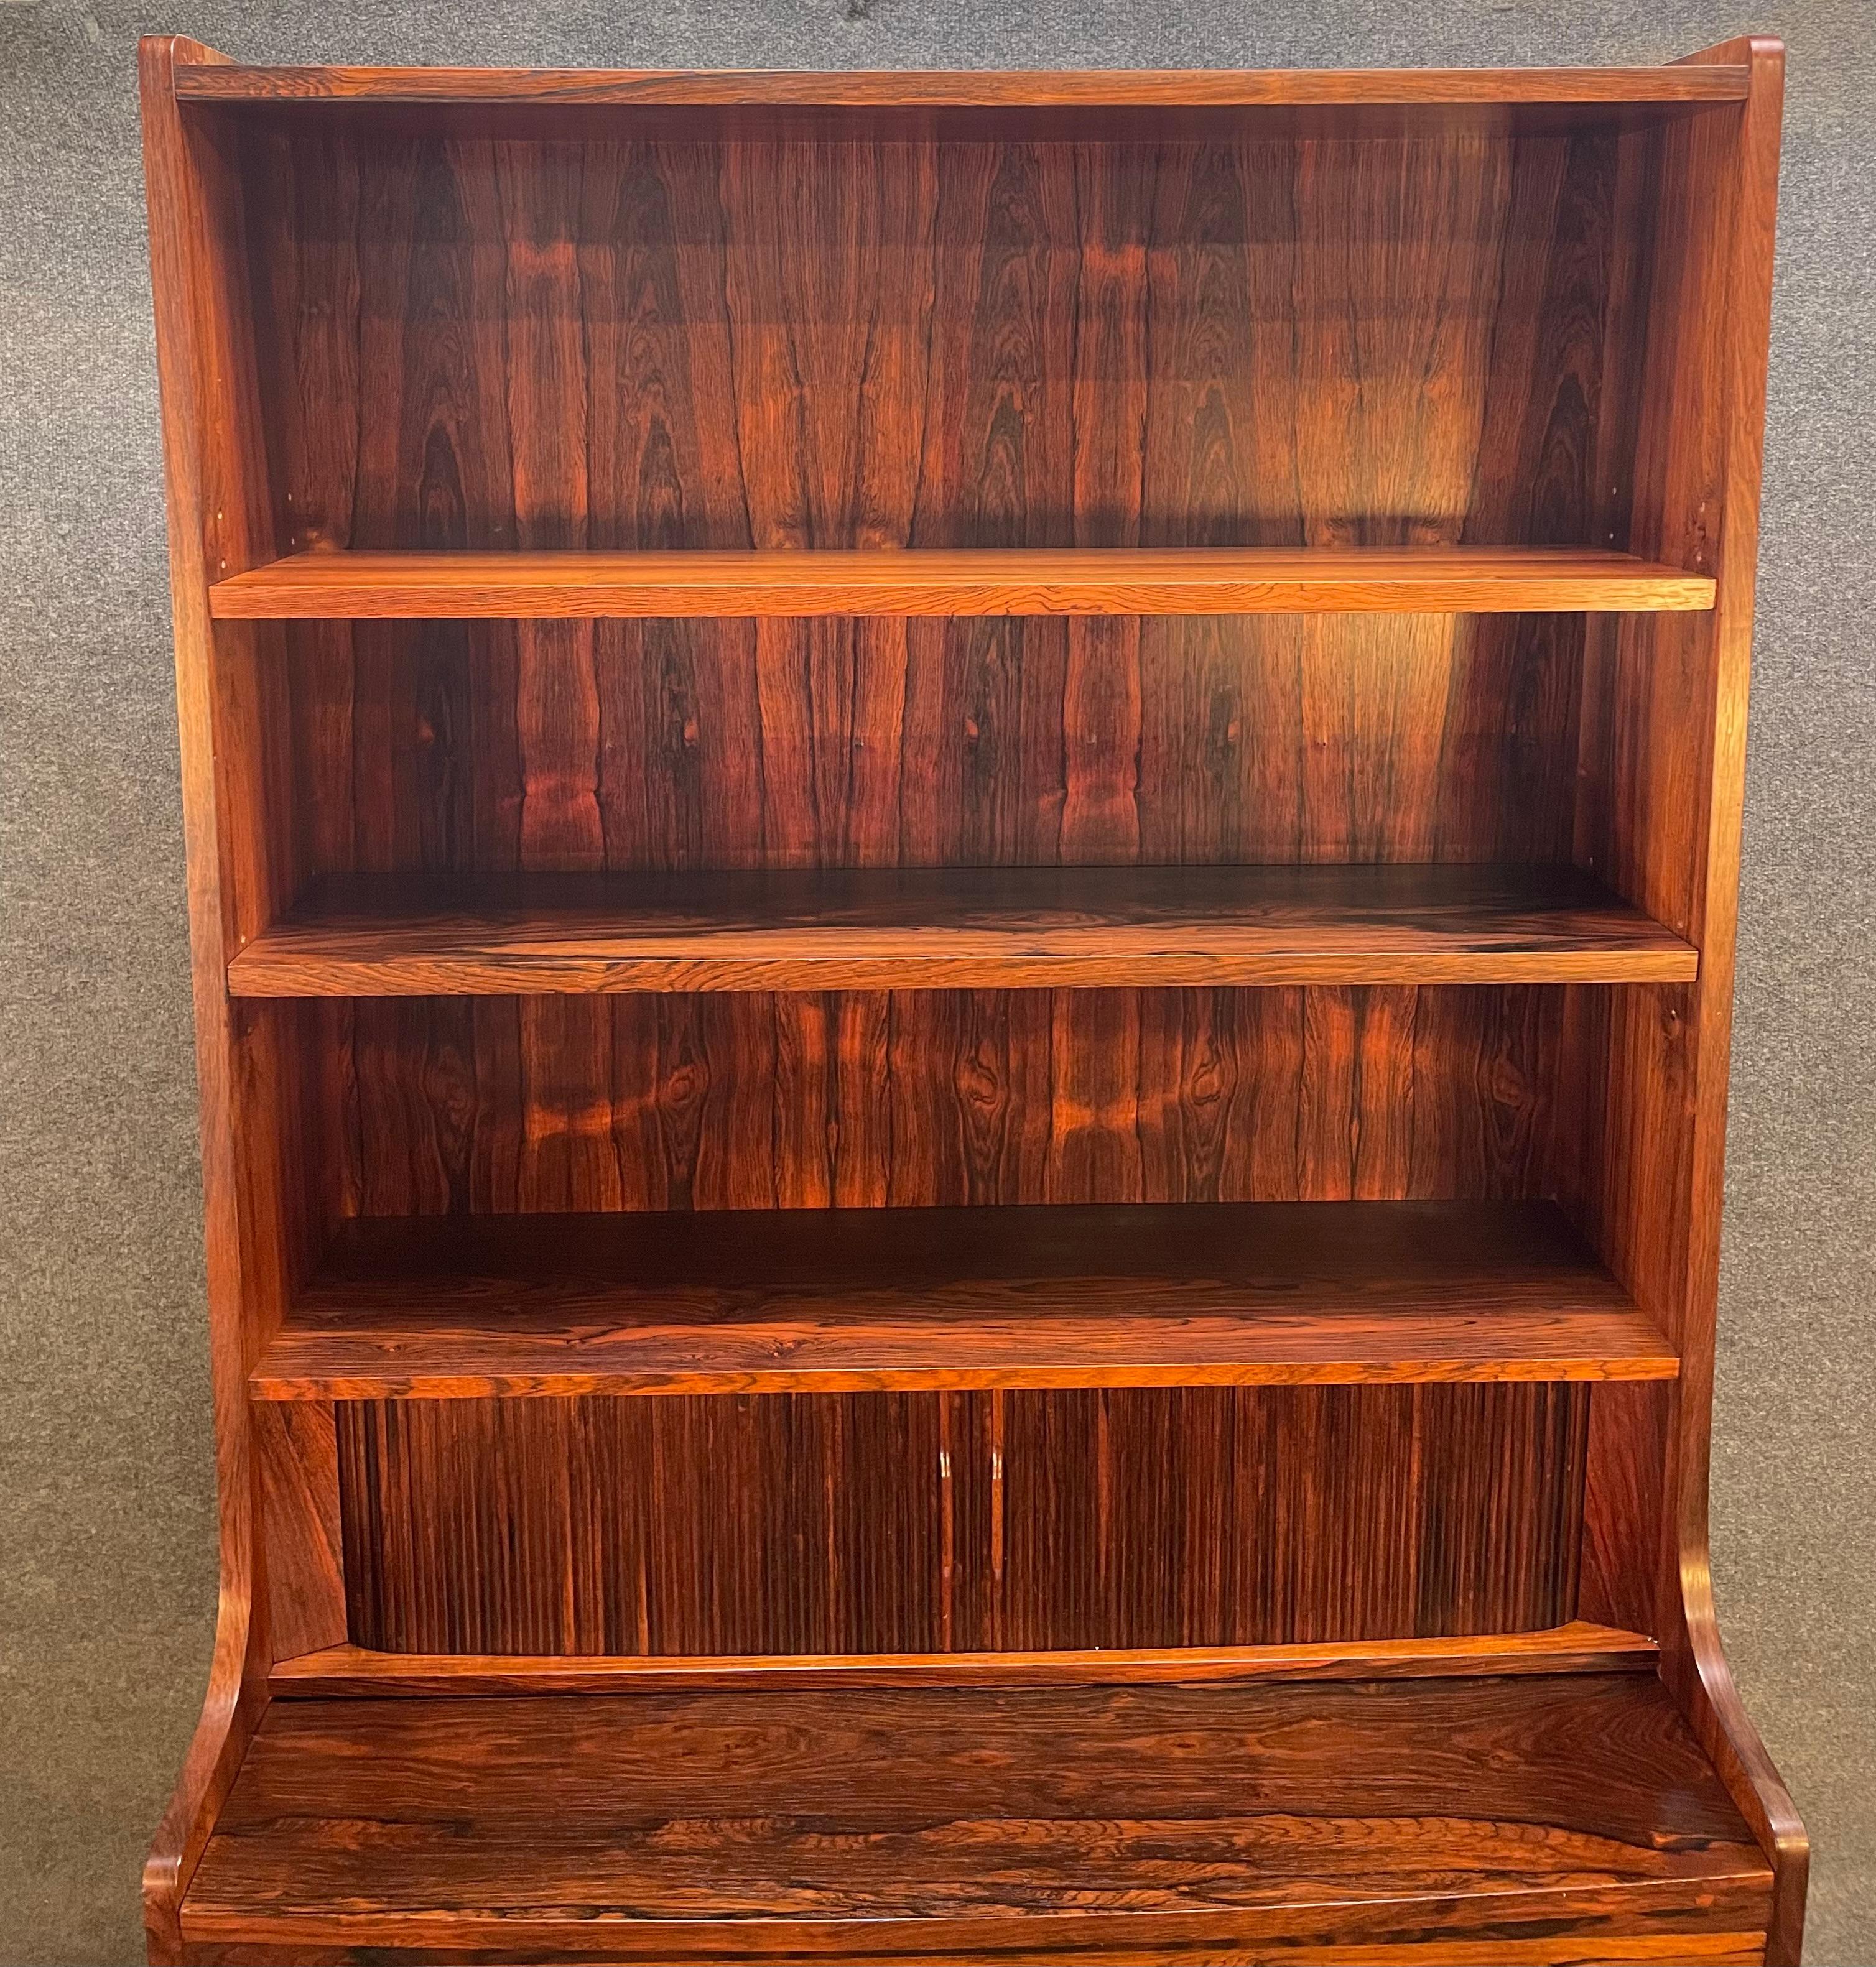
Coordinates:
column 106, row 1555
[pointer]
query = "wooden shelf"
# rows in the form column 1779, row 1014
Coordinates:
column 1194, row 580
column 360, row 1672
column 847, row 1301
column 931, row 928
column 1507, row 1819
column 1172, row 88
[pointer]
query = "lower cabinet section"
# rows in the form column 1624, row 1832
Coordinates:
column 1567, row 1818
column 964, row 1521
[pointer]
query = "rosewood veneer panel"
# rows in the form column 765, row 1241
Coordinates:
column 613, row 346
column 918, row 1098
column 1045, row 1823
column 616, row 346
column 451, row 748
column 886, row 1523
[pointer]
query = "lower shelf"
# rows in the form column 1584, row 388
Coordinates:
column 346, row 1669
column 1567, row 1818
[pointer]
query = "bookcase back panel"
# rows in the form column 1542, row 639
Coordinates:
column 885, row 1523
column 462, row 747
column 433, row 1105
column 495, row 343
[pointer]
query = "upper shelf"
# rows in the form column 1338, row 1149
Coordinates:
column 956, row 927
column 970, row 89
column 1055, row 580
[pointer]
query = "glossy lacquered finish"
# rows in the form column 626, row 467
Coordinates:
column 961, row 861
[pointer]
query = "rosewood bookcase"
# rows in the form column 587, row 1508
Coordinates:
column 963, row 854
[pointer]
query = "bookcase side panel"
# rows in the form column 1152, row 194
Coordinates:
column 232, row 703
column 1663, row 728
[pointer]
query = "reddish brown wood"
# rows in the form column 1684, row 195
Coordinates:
column 1280, row 740
column 1190, row 580
column 231, row 714
column 1170, row 88
column 1025, row 1521
column 296, row 1450
column 930, row 329
column 947, row 928
column 857, row 1300
column 882, row 1824
column 926, row 1099
column 1700, row 1949
column 355, row 1671
column 829, row 343
column 1663, row 735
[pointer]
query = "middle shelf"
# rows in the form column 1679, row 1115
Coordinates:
column 329, row 585
column 956, row 927
column 872, row 1299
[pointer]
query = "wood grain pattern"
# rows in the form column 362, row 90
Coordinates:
column 346, row 1671
column 905, row 370
column 1170, row 88
column 1181, row 1819
column 1029, row 1521
column 829, row 343
column 1189, row 580
column 856, row 1300
column 233, row 725
column 1603, row 1948
column 887, row 928
column 1663, row 733
column 494, row 1105
column 720, row 745
column 296, row 1450
column 770, row 347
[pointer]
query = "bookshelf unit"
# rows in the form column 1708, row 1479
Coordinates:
column 962, row 855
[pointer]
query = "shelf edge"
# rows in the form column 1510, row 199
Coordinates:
column 356, row 1672
column 936, row 89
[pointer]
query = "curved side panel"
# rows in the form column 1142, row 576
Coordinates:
column 1700, row 1675
column 1663, row 736
column 218, row 519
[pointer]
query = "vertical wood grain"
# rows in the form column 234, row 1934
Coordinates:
column 665, row 344
column 436, row 1106
column 296, row 1467
column 884, row 1523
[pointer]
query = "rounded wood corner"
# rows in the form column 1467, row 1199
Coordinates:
column 1730, row 1736
column 236, row 1692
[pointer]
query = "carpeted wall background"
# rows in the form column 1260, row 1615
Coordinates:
column 107, row 1518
